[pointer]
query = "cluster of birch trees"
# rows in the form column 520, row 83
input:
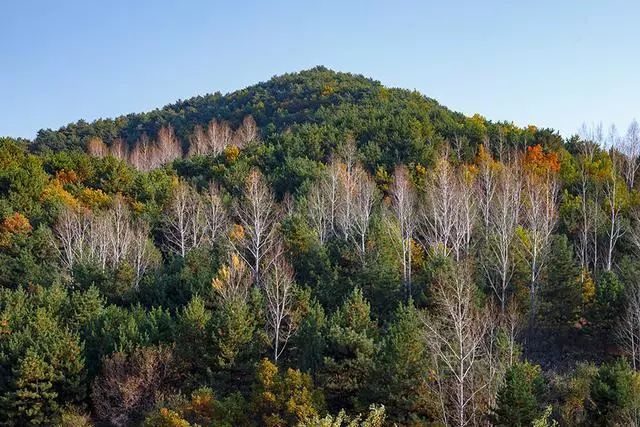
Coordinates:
column 147, row 154
column 108, row 239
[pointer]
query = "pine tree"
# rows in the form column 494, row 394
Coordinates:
column 518, row 401
column 402, row 371
column 350, row 351
column 34, row 399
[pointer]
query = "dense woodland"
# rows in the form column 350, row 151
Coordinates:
column 319, row 250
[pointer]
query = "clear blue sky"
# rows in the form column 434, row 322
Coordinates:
column 550, row 63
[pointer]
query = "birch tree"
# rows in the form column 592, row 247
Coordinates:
column 457, row 335
column 185, row 223
column 279, row 289
column 403, row 205
column 497, row 261
column 363, row 201
column 318, row 206
column 439, row 212
column 215, row 214
column 142, row 254
column 631, row 149
column 540, row 214
column 591, row 138
column 628, row 331
column 613, row 192
column 257, row 214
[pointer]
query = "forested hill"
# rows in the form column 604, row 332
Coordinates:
column 320, row 106
column 319, row 250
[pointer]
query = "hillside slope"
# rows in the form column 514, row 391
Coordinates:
column 318, row 104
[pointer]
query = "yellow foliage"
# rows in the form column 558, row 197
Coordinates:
column 236, row 233
column 202, row 404
column 137, row 207
column 327, row 90
column 166, row 418
column 417, row 255
column 219, row 281
column 588, row 288
column 94, row 198
column 231, row 153
column 484, row 158
column 55, row 192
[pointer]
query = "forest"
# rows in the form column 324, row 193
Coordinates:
column 319, row 250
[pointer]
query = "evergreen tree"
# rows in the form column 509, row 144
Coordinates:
column 350, row 350
column 34, row 399
column 402, row 374
column 518, row 401
column 613, row 395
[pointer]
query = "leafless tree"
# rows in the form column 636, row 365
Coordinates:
column 404, row 207
column 449, row 210
column 318, row 207
column 631, row 149
column 486, row 183
column 258, row 214
column 247, row 132
column 120, row 236
column 119, row 149
column 612, row 192
column 96, row 147
column 167, row 147
column 457, row 335
column 540, row 214
column 212, row 140
column 439, row 212
column 70, row 230
column 107, row 239
column 279, row 290
column 132, row 385
column 497, row 260
column 466, row 213
column 628, row 331
column 331, row 188
column 363, row 201
column 215, row 213
column 591, row 138
column 142, row 254
column 185, row 224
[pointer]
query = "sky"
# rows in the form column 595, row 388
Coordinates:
column 553, row 64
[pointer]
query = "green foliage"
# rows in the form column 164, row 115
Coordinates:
column 562, row 295
column 41, row 359
column 402, row 377
column 613, row 395
column 374, row 418
column 518, row 403
column 350, row 351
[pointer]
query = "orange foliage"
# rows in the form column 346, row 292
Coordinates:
column 67, row 177
column 12, row 225
column 16, row 224
column 539, row 162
